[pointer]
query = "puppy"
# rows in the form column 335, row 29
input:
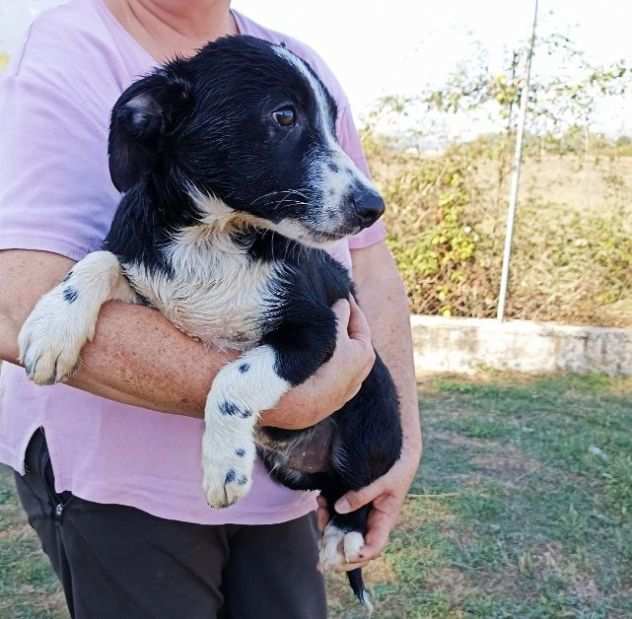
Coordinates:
column 233, row 182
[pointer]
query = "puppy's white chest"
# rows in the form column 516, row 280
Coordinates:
column 220, row 297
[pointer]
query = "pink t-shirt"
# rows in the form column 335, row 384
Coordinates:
column 56, row 195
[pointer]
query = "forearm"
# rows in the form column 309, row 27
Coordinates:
column 383, row 299
column 137, row 357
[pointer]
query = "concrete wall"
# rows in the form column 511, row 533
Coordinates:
column 467, row 344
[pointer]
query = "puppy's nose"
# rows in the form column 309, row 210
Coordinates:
column 368, row 206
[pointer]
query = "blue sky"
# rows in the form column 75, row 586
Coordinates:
column 379, row 47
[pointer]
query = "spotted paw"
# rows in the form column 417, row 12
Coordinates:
column 227, row 472
column 52, row 337
column 338, row 547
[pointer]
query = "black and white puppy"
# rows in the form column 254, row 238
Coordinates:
column 233, row 182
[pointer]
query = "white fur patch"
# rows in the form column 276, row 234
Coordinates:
column 295, row 230
column 338, row 547
column 65, row 318
column 351, row 545
column 216, row 293
column 240, row 392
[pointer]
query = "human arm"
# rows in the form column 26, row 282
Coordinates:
column 137, row 357
column 56, row 198
column 381, row 294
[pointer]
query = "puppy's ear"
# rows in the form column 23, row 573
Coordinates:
column 141, row 119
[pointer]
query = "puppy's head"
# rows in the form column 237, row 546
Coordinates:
column 244, row 127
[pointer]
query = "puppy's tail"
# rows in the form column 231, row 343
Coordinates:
column 357, row 585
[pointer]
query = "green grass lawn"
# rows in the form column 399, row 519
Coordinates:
column 522, row 509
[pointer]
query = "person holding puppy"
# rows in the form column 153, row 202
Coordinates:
column 112, row 488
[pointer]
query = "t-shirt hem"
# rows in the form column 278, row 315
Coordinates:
column 13, row 458
column 102, row 493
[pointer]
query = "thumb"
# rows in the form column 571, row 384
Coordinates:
column 342, row 310
column 358, row 325
column 355, row 499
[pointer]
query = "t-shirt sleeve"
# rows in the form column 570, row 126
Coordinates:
column 350, row 141
column 55, row 192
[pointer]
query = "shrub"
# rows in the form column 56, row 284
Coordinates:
column 446, row 222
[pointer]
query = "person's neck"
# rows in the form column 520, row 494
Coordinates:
column 170, row 28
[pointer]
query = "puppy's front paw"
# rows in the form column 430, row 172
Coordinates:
column 52, row 337
column 338, row 547
column 227, row 471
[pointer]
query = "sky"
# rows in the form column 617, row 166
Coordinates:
column 398, row 47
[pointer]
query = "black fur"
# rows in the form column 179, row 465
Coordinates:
column 205, row 124
column 70, row 294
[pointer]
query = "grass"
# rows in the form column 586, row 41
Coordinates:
column 522, row 509
column 28, row 589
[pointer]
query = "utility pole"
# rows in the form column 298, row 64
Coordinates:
column 515, row 172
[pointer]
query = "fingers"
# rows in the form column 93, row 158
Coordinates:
column 358, row 328
column 355, row 499
column 380, row 526
column 360, row 334
column 347, row 567
column 342, row 310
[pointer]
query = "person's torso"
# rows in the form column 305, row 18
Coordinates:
column 102, row 450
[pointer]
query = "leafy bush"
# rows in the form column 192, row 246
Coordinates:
column 434, row 236
column 446, row 222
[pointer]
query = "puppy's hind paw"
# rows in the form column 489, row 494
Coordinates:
column 338, row 547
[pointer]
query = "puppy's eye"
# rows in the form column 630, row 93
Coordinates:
column 285, row 117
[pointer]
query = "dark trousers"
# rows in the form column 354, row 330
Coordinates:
column 121, row 563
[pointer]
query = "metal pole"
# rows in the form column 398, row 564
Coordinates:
column 515, row 174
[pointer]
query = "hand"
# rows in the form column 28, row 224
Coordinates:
column 335, row 382
column 387, row 494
